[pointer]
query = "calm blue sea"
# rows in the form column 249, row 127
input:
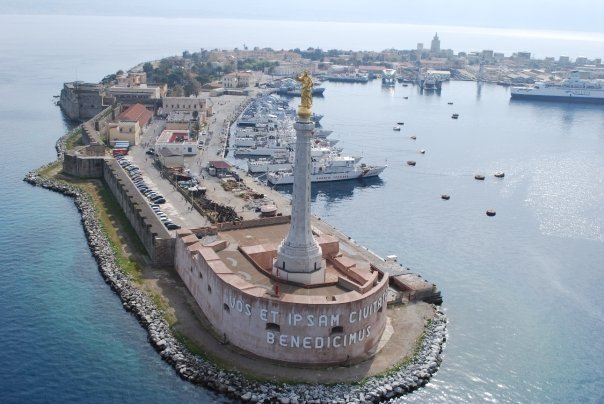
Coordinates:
column 522, row 289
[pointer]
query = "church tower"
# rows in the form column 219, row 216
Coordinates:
column 435, row 45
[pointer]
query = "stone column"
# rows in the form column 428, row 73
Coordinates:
column 299, row 257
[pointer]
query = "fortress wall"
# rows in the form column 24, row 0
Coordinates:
column 289, row 328
column 83, row 166
column 156, row 239
column 263, row 221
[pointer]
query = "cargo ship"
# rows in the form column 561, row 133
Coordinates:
column 572, row 89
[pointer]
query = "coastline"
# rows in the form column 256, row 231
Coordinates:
column 398, row 381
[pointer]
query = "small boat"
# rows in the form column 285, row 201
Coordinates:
column 479, row 177
column 412, row 137
column 450, row 103
column 406, row 98
column 397, row 128
column 405, row 85
column 400, row 123
column 410, row 163
column 455, row 116
column 422, row 151
column 445, row 197
column 499, row 174
column 491, row 212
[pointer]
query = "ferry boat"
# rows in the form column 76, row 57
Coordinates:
column 332, row 168
column 291, row 88
column 348, row 78
column 572, row 89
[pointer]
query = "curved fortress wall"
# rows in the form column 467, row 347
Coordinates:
column 288, row 328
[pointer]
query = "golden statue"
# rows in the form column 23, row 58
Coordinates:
column 304, row 109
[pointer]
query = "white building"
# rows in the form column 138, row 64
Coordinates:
column 177, row 141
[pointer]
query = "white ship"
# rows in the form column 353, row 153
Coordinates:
column 282, row 161
column 332, row 168
column 573, row 89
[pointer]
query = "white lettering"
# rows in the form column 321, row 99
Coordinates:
column 297, row 318
column 352, row 338
column 310, row 320
column 306, row 342
column 270, row 338
column 322, row 320
column 352, row 317
column 239, row 306
column 335, row 319
column 368, row 331
column 295, row 341
column 283, row 340
column 318, row 342
column 263, row 313
column 275, row 315
column 337, row 338
column 248, row 310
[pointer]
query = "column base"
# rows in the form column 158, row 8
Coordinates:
column 305, row 278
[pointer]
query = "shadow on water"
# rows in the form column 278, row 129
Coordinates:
column 566, row 109
column 335, row 190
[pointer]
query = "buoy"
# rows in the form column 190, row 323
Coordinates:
column 445, row 197
column 479, row 177
column 410, row 163
column 491, row 212
column 413, row 137
column 499, row 174
column 422, row 151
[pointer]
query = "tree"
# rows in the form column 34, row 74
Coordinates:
column 148, row 68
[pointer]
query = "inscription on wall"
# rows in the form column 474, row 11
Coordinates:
column 336, row 339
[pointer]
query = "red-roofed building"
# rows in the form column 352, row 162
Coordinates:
column 219, row 168
column 137, row 112
column 130, row 125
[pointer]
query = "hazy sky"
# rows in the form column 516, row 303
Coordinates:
column 563, row 15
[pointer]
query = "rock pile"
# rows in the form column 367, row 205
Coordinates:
column 234, row 385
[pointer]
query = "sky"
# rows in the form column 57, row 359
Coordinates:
column 558, row 15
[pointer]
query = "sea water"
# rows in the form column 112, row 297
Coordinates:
column 521, row 289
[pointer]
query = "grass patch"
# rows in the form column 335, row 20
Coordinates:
column 51, row 170
column 74, row 139
column 114, row 224
column 163, row 306
column 190, row 345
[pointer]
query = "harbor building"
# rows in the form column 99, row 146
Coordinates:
column 177, row 142
column 129, row 125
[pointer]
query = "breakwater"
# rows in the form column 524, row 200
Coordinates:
column 197, row 370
